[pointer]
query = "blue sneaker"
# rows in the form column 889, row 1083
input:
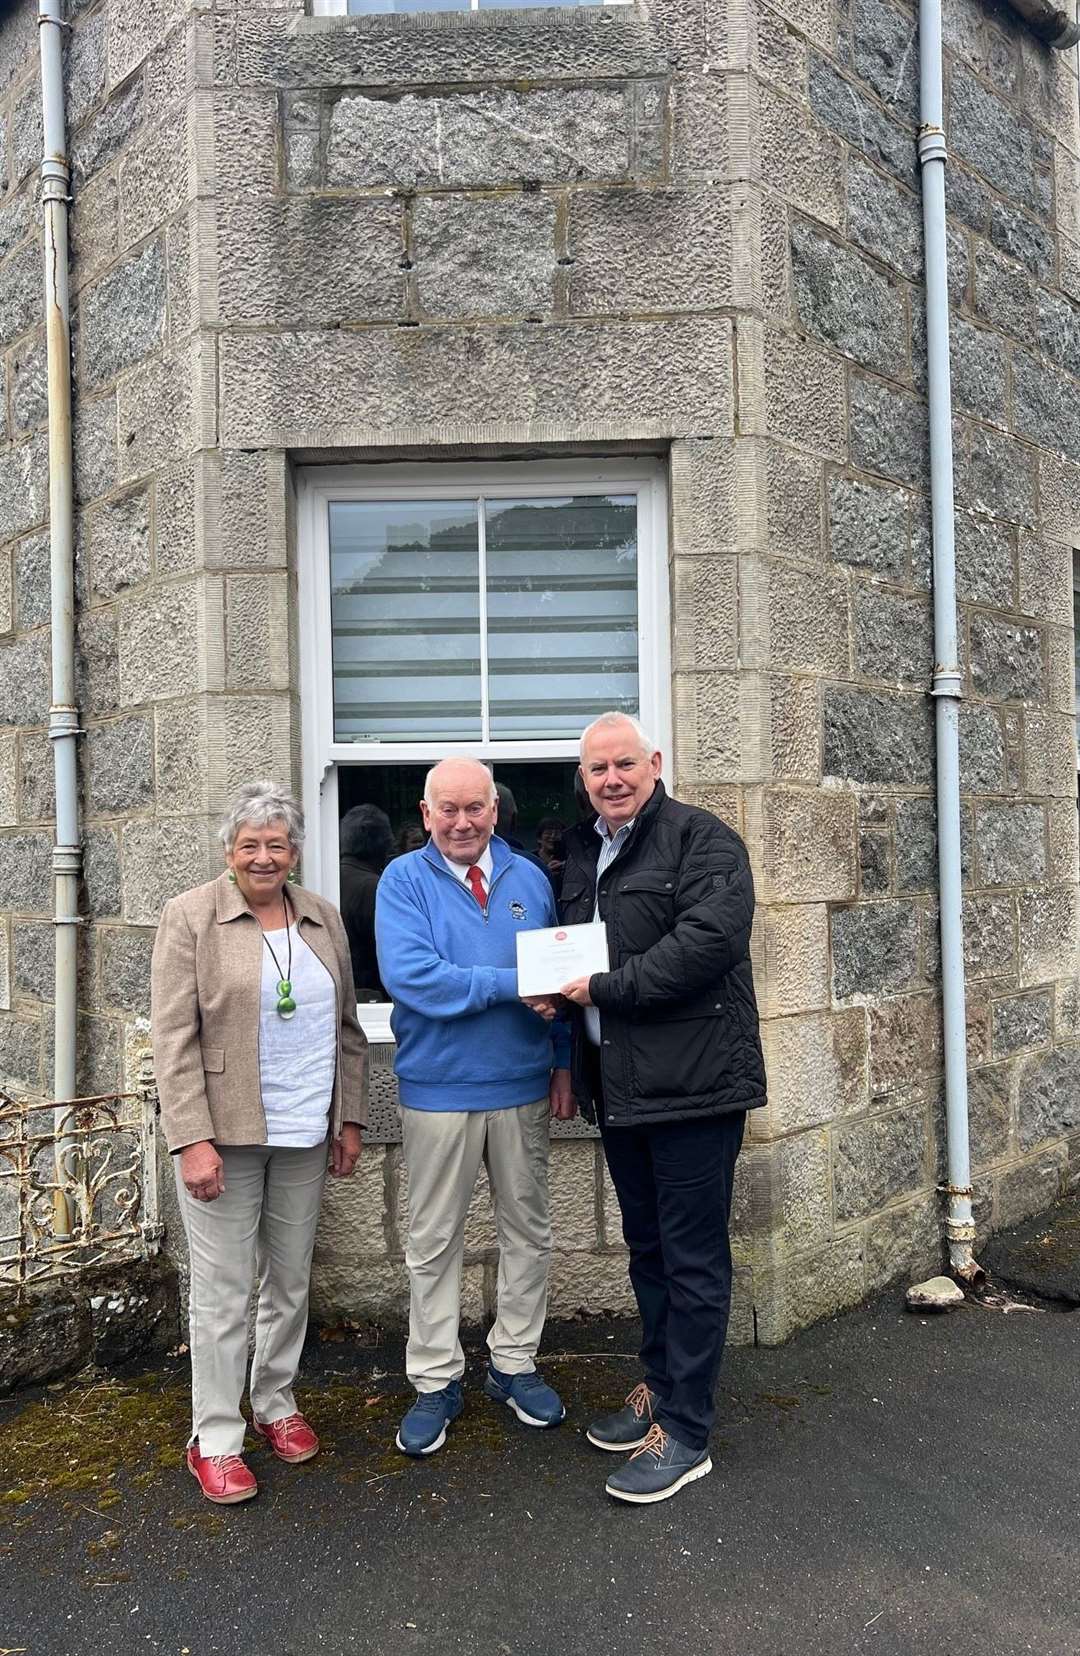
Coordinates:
column 423, row 1429
column 529, row 1395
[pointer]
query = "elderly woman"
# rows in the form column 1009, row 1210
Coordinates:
column 261, row 1068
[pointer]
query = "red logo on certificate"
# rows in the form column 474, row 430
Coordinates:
column 560, row 937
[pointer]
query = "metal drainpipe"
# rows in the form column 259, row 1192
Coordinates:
column 63, row 713
column 947, row 686
column 1056, row 25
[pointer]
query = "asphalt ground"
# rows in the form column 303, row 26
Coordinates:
column 886, row 1483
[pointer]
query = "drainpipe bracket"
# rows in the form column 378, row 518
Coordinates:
column 66, row 859
column 948, row 682
column 932, row 145
column 63, row 722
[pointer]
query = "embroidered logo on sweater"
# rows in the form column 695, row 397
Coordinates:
column 519, row 911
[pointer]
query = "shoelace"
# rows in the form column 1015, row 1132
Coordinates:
column 654, row 1444
column 429, row 1402
column 226, row 1463
column 289, row 1424
column 530, row 1382
column 640, row 1400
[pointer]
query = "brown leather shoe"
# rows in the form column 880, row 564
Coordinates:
column 222, row 1478
column 291, row 1439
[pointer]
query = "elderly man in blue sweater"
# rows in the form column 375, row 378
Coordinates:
column 480, row 1071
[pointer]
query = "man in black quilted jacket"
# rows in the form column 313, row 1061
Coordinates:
column 667, row 1058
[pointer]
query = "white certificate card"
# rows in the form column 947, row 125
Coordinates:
column 547, row 959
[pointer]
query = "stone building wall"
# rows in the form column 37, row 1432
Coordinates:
column 684, row 226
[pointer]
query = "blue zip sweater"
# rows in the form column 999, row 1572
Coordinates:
column 464, row 1040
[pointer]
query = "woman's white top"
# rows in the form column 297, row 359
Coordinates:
column 297, row 1055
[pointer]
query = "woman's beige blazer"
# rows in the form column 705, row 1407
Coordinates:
column 206, row 981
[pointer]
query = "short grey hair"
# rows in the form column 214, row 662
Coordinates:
column 257, row 805
column 605, row 719
column 457, row 759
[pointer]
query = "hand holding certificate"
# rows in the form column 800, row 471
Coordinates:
column 548, row 959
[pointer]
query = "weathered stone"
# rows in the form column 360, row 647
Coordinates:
column 107, row 131
column 936, row 1294
column 793, row 503
column 905, row 1042
column 792, row 968
column 180, row 752
column 33, row 598
column 850, row 113
column 1059, row 331
column 118, row 542
column 989, row 1113
column 984, row 561
column 982, row 750
column 28, row 385
column 846, row 303
column 1048, row 1096
column 1050, row 756
column 125, row 969
column 706, row 612
column 266, row 272
column 491, row 257
column 886, row 56
column 155, row 415
column 504, row 378
column 97, row 677
column 653, row 252
column 872, row 737
column 20, row 1052
column 809, row 845
column 24, row 493
column 84, row 67
column 987, row 134
column 1006, row 660
column 35, row 958
column 916, row 845
column 94, row 443
column 874, row 949
column 17, row 216
column 353, row 1219
column 122, row 318
column 21, row 303
column 817, row 1068
column 801, row 1190
column 700, row 143
column 256, row 632
column 121, row 765
column 1011, row 843
column 875, row 873
column 37, row 778
column 802, row 1290
column 799, row 160
column 1005, row 296
column 994, row 474
column 980, row 371
column 804, row 395
column 876, row 1160
column 1045, row 570
column 808, row 621
column 1045, row 406
column 1031, row 1187
column 889, row 432
column 26, row 872
column 885, row 219
column 159, row 644
column 155, row 178
column 1023, row 1021
column 101, row 873
column 1047, row 929
column 869, row 526
column 894, row 637
column 174, row 517
column 24, row 679
column 160, row 859
column 547, row 136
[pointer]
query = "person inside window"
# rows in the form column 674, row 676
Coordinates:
column 367, row 845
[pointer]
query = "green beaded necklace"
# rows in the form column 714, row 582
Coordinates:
column 286, row 1006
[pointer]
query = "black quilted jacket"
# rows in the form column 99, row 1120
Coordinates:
column 678, row 1018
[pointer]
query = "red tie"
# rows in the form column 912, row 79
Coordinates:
column 476, row 884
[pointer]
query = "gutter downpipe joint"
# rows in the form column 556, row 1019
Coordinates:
column 947, row 683
column 63, row 713
column 1056, row 25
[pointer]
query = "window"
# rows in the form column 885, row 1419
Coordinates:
column 369, row 8
column 489, row 610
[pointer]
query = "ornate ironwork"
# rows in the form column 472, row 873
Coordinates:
column 78, row 1184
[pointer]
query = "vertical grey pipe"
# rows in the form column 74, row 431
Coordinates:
column 947, row 686
column 63, row 714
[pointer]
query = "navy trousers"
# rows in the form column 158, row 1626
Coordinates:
column 674, row 1182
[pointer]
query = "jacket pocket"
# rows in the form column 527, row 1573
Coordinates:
column 643, row 907
column 213, row 1060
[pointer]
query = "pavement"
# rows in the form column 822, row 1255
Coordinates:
column 887, row 1483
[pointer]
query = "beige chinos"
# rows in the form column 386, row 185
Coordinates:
column 262, row 1226
column 443, row 1153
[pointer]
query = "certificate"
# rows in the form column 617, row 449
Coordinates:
column 558, row 954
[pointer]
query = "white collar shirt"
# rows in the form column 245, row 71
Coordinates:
column 460, row 871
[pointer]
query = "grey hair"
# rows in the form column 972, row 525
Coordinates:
column 258, row 804
column 458, row 759
column 606, row 719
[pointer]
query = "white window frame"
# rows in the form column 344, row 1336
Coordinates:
column 322, row 756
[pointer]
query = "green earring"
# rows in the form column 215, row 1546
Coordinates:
column 292, row 876
column 232, row 877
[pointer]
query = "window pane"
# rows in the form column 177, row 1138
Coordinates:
column 562, row 612
column 405, row 614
